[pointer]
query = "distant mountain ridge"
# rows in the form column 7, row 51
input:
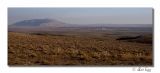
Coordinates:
column 32, row 22
column 56, row 23
column 52, row 24
column 38, row 23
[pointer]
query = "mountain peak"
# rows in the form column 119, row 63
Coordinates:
column 38, row 22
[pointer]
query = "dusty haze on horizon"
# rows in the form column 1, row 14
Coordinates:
column 84, row 15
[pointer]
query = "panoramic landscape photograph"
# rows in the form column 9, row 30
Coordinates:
column 80, row 36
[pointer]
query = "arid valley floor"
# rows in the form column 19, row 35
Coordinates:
column 81, row 48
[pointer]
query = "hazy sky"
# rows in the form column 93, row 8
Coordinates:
column 84, row 15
